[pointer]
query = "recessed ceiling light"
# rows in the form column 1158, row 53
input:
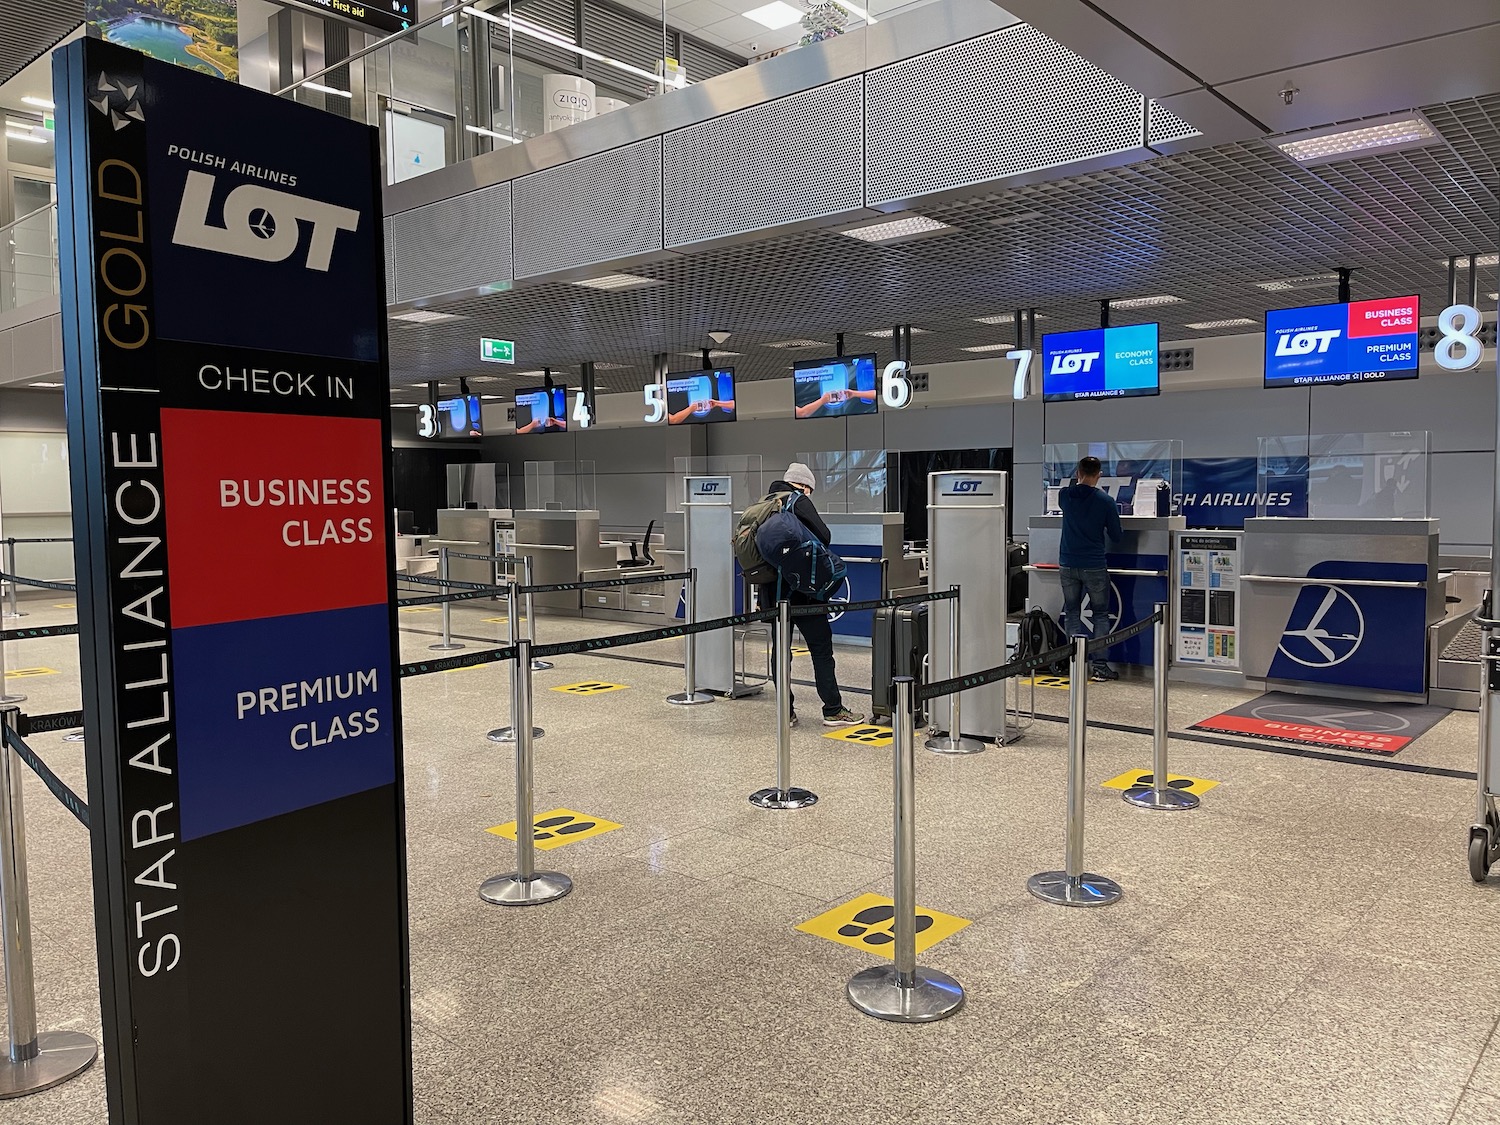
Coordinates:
column 774, row 15
column 45, row 384
column 490, row 398
column 714, row 354
column 1495, row 296
column 617, row 281
column 1146, row 302
column 403, row 406
column 1481, row 261
column 903, row 229
column 327, row 90
column 885, row 333
column 1317, row 146
column 612, row 366
column 1005, row 318
column 798, row 344
column 1305, row 281
column 989, row 348
column 40, row 103
column 424, row 316
column 1232, row 322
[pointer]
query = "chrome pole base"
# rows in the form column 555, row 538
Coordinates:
column 60, row 1055
column 683, row 699
column 446, row 647
column 948, row 744
column 1171, row 800
column 9, row 698
column 792, row 798
column 72, row 738
column 512, row 890
column 878, row 992
column 1088, row 889
column 541, row 665
column 508, row 734
column 18, row 613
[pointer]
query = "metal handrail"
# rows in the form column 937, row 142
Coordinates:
column 446, row 13
column 31, row 215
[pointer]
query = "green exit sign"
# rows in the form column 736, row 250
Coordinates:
column 497, row 351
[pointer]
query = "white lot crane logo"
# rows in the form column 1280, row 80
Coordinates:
column 1332, row 634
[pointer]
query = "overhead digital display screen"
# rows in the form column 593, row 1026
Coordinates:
column 388, row 16
column 459, row 417
column 1363, row 341
column 1101, row 363
column 835, row 388
column 700, row 396
column 542, row 411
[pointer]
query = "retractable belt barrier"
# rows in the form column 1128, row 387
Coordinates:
column 449, row 663
column 53, row 539
column 40, row 583
column 605, row 583
column 48, row 724
column 69, row 799
column 873, row 603
column 1120, row 636
column 35, row 631
column 484, row 558
column 457, row 596
column 449, row 583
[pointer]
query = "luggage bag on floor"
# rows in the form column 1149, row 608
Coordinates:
column 898, row 647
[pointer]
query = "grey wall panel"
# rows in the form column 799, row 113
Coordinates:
column 596, row 209
column 1219, row 423
column 1009, row 102
column 776, row 440
column 1027, row 433
column 1457, row 410
column 421, row 242
column 1025, row 496
column 803, row 158
column 975, row 426
column 1463, row 498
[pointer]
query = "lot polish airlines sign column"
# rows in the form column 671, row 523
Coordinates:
column 224, row 334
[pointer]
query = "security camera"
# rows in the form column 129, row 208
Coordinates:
column 719, row 337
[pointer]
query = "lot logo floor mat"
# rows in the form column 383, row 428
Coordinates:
column 1311, row 720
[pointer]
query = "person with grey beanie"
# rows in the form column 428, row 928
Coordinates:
column 816, row 629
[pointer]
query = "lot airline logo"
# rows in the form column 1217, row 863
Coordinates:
column 261, row 223
column 1307, row 343
column 1074, row 363
column 1322, row 633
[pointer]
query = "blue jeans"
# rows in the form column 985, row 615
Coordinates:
column 1076, row 581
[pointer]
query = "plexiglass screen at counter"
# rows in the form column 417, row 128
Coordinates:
column 483, row 486
column 565, row 486
column 1127, row 467
column 747, row 481
column 1345, row 476
column 860, row 481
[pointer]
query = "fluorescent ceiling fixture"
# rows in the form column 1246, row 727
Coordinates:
column 897, row 230
column 424, row 316
column 45, row 384
column 403, row 406
column 989, row 348
column 856, row 11
column 1232, row 322
column 797, row 344
column 1146, row 302
column 491, row 398
column 1005, row 318
column 1408, row 130
column 1481, row 261
column 1306, row 281
column 492, row 133
column 10, row 136
column 713, row 354
column 611, row 367
column 617, row 281
column 885, row 333
column 555, row 40
column 1495, row 296
column 40, row 103
column 775, row 15
column 320, row 88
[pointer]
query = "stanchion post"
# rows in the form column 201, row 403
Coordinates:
column 690, row 696
column 33, row 1061
column 954, row 742
column 10, row 568
column 508, row 734
column 784, row 795
column 1160, row 796
column 525, row 886
column 536, row 665
column 905, row 992
column 1074, row 886
column 447, row 644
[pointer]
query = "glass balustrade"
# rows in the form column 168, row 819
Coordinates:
column 28, row 259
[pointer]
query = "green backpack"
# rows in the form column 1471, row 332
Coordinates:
column 746, row 553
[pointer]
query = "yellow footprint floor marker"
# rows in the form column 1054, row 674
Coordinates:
column 558, row 827
column 865, row 734
column 868, row 923
column 1141, row 779
column 590, row 687
column 22, row 673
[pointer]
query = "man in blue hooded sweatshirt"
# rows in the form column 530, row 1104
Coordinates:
column 1090, row 520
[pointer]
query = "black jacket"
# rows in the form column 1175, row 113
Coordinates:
column 804, row 511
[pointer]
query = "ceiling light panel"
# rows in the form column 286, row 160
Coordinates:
column 1232, row 322
column 1319, row 146
column 1305, row 281
column 775, row 15
column 988, row 348
column 1146, row 302
column 897, row 230
column 792, row 344
column 617, row 281
column 885, row 333
column 424, row 316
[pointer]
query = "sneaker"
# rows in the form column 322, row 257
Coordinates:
column 1102, row 673
column 794, row 719
column 843, row 717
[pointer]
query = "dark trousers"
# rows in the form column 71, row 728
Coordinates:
column 1093, row 581
column 817, row 631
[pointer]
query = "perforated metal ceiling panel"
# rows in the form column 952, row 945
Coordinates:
column 29, row 27
column 1009, row 102
column 795, row 158
column 1163, row 125
column 459, row 243
column 596, row 209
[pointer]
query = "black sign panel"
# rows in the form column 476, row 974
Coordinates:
column 225, row 356
column 385, row 16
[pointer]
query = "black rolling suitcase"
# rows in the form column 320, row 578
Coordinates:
column 898, row 647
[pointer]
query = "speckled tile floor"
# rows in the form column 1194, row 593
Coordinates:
column 1307, row 947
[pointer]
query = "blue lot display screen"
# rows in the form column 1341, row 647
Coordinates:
column 1360, row 342
column 1100, row 363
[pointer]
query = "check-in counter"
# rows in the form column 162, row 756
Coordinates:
column 871, row 546
column 1140, row 576
column 562, row 545
column 471, row 531
column 1340, row 606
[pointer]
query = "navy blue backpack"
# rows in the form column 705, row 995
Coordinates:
column 803, row 565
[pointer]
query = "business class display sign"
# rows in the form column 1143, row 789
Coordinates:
column 225, row 354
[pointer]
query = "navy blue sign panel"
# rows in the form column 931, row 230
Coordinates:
column 229, row 431
column 1223, row 492
column 1357, row 636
